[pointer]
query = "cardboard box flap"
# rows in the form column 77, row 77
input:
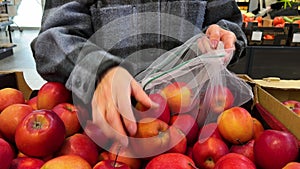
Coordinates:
column 273, row 82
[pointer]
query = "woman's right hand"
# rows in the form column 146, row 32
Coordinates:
column 111, row 104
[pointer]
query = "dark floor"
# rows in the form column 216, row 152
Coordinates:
column 22, row 59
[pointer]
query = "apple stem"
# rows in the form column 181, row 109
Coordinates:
column 192, row 165
column 118, row 151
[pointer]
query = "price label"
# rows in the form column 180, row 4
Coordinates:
column 296, row 38
column 256, row 36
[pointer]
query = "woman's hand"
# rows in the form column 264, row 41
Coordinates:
column 111, row 104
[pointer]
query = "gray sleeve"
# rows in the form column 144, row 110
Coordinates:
column 61, row 52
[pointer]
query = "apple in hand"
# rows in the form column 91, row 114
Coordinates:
column 219, row 98
column 274, row 149
column 40, row 133
column 188, row 125
column 82, row 145
column 51, row 94
column 178, row 96
column 10, row 117
column 236, row 125
column 9, row 96
column 67, row 162
column 244, row 149
column 161, row 112
column 111, row 164
column 26, row 163
column 234, row 161
column 68, row 113
column 6, row 153
column 171, row 161
column 152, row 138
column 206, row 152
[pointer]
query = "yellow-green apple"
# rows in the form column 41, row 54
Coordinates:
column 273, row 149
column 7, row 154
column 67, row 162
column 258, row 128
column 171, row 161
column 111, row 164
column 218, row 98
column 96, row 134
column 236, row 125
column 152, row 138
column 124, row 155
column 178, row 141
column 33, row 102
column 10, row 96
column 234, row 161
column 209, row 130
column 161, row 111
column 26, row 163
column 206, row 152
column 40, row 133
column 291, row 104
column 244, row 149
column 82, row 145
column 187, row 124
column 292, row 165
column 68, row 113
column 51, row 94
column 10, row 117
column 178, row 96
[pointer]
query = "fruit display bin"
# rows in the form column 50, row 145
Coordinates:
column 270, row 109
column 15, row 79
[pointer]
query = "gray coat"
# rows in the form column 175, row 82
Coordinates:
column 80, row 40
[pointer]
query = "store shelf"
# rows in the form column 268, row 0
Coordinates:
column 6, row 52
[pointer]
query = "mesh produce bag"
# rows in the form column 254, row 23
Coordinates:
column 204, row 73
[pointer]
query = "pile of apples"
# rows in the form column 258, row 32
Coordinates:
column 293, row 105
column 45, row 132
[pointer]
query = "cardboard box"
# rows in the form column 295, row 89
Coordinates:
column 269, row 95
column 15, row 79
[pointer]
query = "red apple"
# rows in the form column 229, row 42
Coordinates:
column 244, row 149
column 68, row 113
column 40, row 134
column 209, row 130
column 296, row 110
column 291, row 104
column 178, row 141
column 161, row 112
column 206, row 152
column 152, row 138
column 51, row 94
column 10, row 117
column 274, row 149
column 219, row 98
column 124, row 155
column 292, row 165
column 236, row 125
column 9, row 96
column 95, row 133
column 67, row 162
column 188, row 125
column 26, row 163
column 6, row 153
column 33, row 102
column 111, row 164
column 171, row 161
column 82, row 145
column 178, row 96
column 234, row 161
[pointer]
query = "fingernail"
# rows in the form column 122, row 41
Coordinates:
column 124, row 141
column 154, row 104
column 214, row 43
